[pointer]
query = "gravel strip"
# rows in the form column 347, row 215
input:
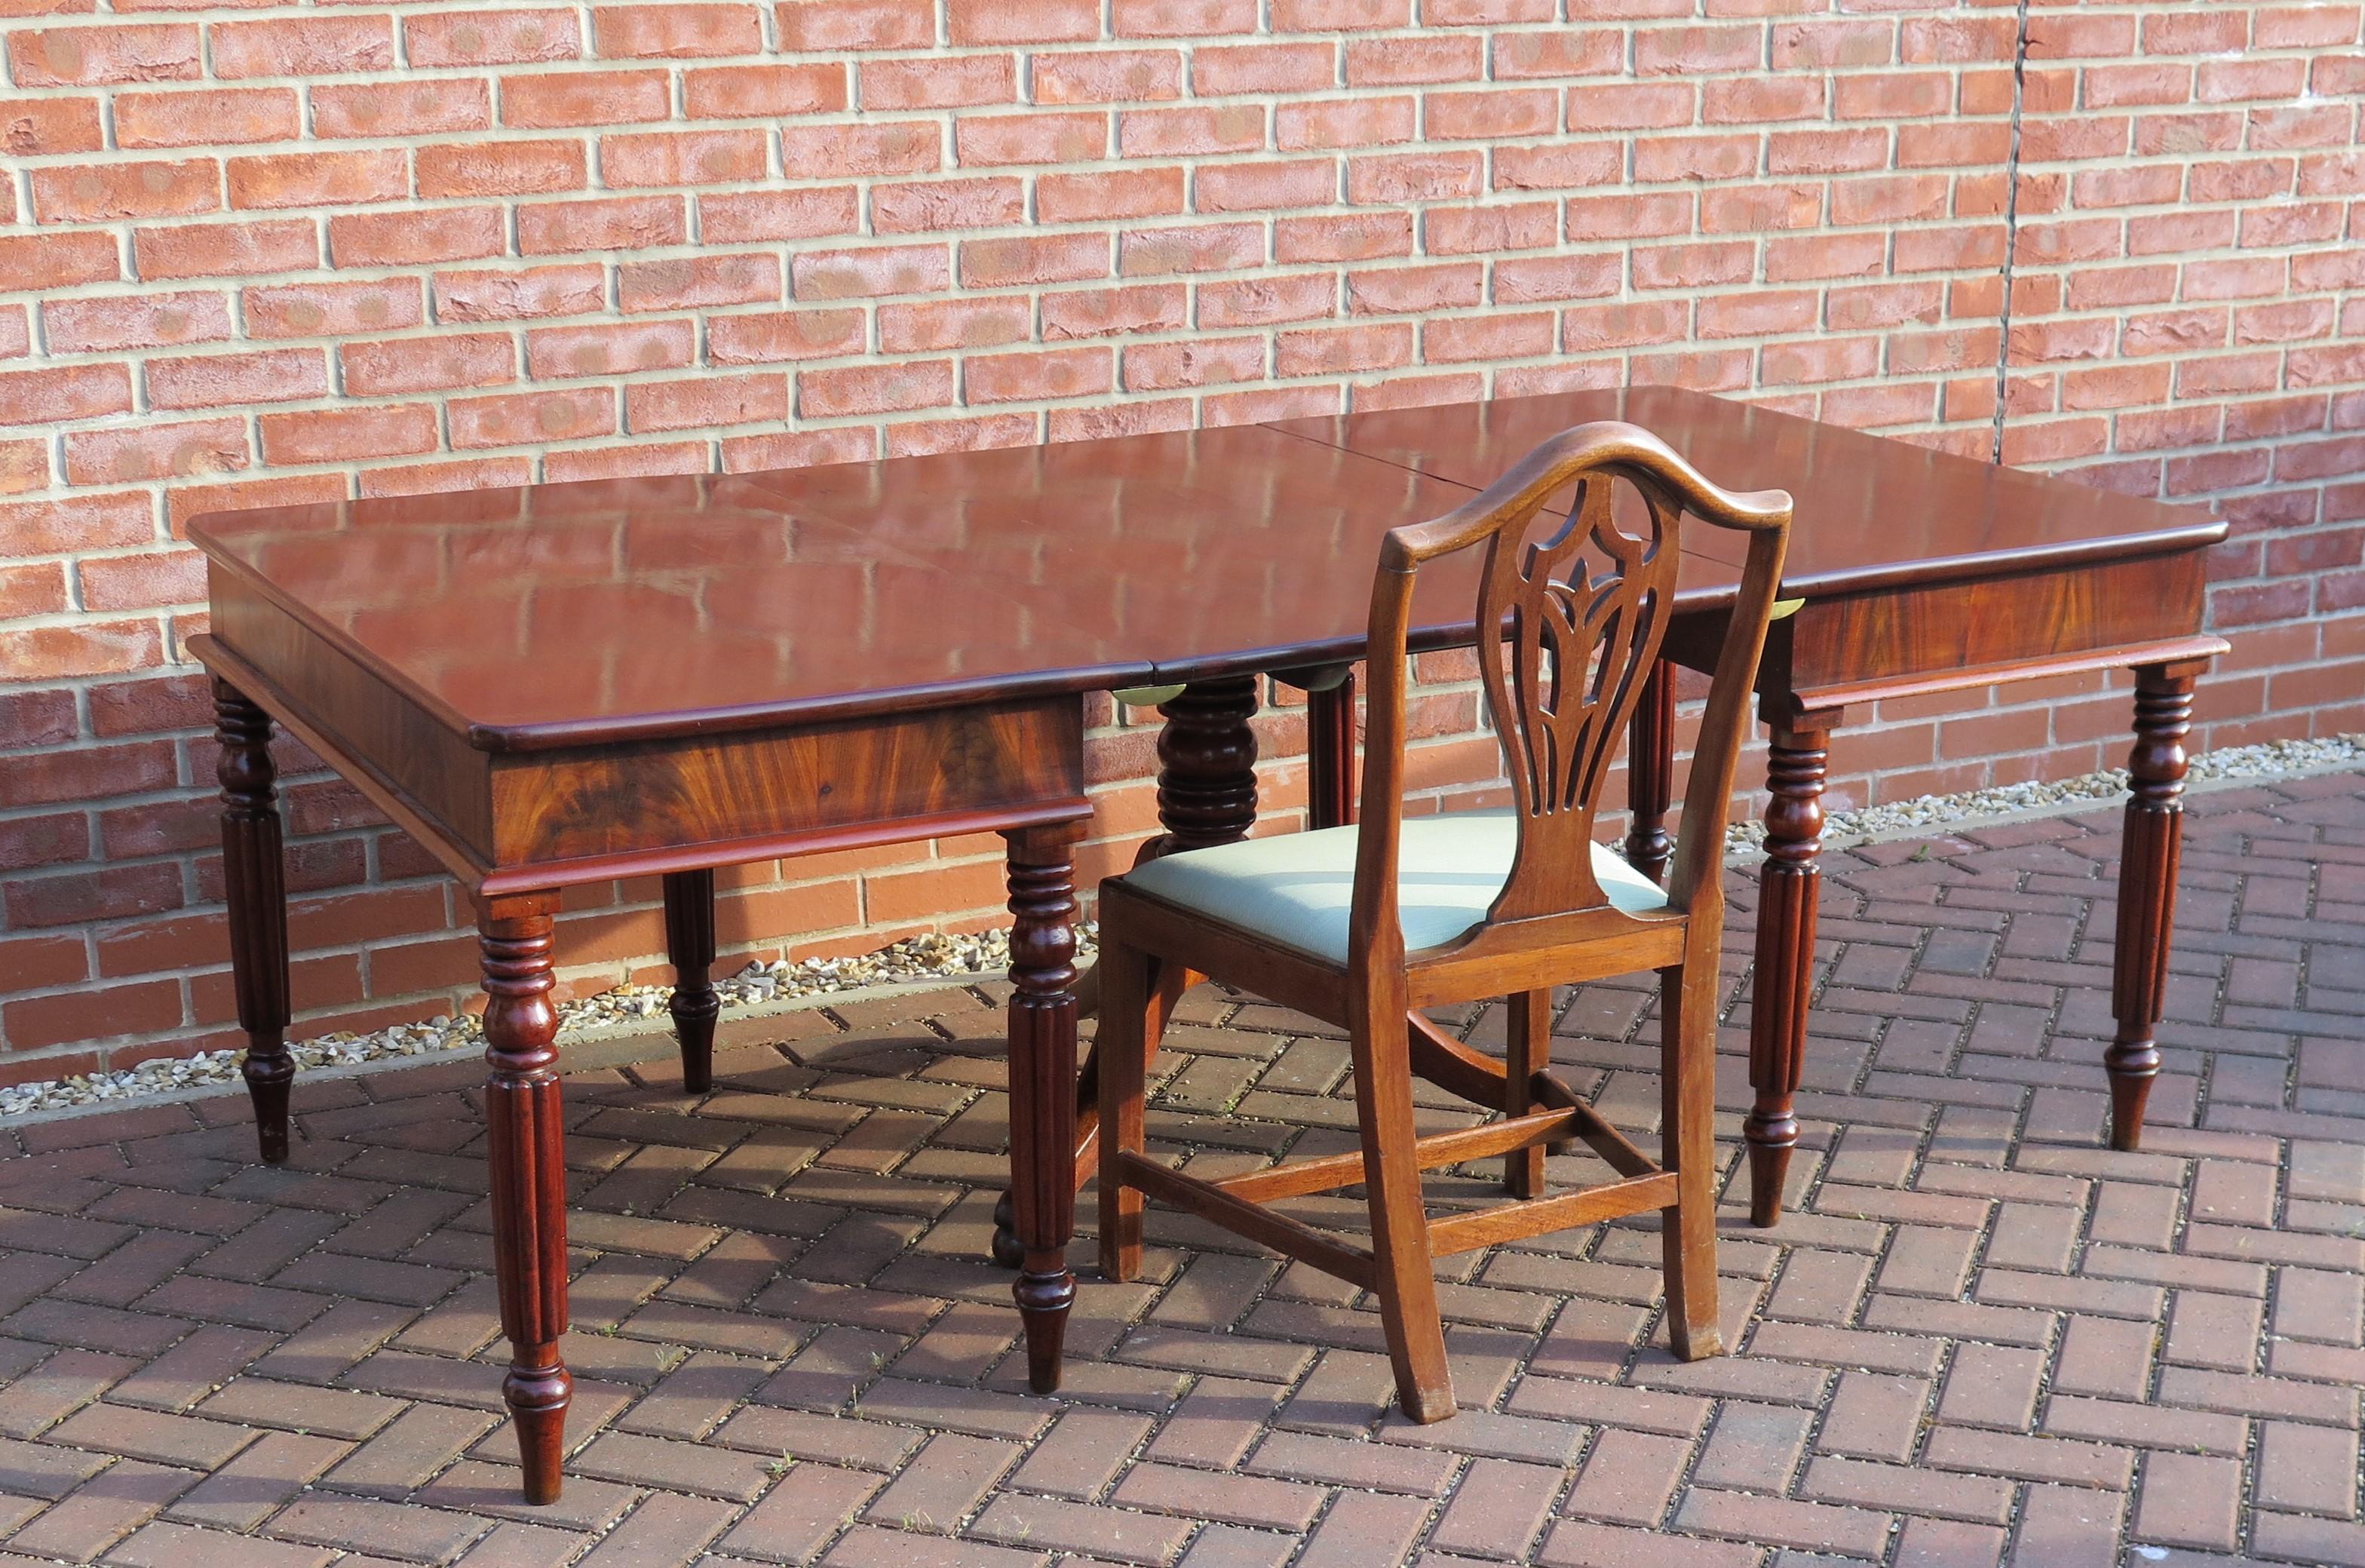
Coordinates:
column 2266, row 760
column 945, row 956
column 935, row 956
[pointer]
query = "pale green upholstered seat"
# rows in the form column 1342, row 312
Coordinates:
column 1297, row 890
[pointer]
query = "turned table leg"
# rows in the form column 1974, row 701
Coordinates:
column 1649, row 774
column 1786, row 961
column 2151, row 850
column 1329, row 756
column 527, row 1151
column 1206, row 766
column 255, row 885
column 1207, row 795
column 1043, row 1087
column 689, row 944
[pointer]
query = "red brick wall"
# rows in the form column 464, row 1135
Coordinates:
column 363, row 249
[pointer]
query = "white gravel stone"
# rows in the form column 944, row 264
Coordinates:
column 949, row 955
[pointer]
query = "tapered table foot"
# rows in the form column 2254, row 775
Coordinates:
column 527, row 1147
column 255, row 887
column 2151, row 850
column 1786, row 961
column 1043, row 1088
column 1770, row 1143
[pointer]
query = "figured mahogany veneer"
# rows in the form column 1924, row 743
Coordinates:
column 505, row 820
column 566, row 683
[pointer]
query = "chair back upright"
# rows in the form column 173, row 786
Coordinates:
column 1581, row 613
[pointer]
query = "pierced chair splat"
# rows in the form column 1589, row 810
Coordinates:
column 1362, row 925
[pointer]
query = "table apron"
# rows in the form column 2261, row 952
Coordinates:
column 975, row 759
column 508, row 820
column 2083, row 616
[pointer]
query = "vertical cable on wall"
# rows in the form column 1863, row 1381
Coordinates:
column 2011, row 226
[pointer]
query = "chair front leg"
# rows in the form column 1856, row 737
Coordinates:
column 1406, row 1286
column 1687, row 1147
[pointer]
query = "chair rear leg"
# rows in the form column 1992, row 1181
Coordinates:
column 1407, row 1289
column 1688, row 1140
column 1526, row 1052
column 1123, row 1049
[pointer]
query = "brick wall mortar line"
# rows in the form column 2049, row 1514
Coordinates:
column 2131, row 445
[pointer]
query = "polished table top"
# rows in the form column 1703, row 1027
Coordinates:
column 608, row 609
column 1871, row 510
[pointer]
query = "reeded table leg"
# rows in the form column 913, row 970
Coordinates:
column 1329, row 756
column 2152, row 847
column 1649, row 774
column 255, row 883
column 1786, row 961
column 1207, row 795
column 1043, row 1087
column 689, row 944
column 527, row 1138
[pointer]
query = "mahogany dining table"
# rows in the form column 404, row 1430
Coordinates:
column 572, row 683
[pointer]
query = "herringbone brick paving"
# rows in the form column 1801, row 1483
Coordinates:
column 1980, row 1339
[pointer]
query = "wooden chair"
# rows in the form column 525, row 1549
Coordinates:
column 1360, row 925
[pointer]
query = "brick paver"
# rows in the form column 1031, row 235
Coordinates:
column 1981, row 1339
